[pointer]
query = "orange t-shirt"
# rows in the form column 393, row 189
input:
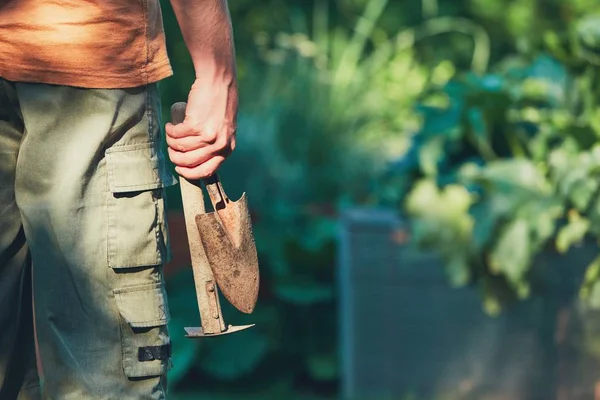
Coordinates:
column 84, row 43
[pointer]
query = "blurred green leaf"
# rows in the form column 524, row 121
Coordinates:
column 323, row 367
column 430, row 155
column 491, row 304
column 572, row 233
column 512, row 254
column 513, row 174
column 588, row 36
column 591, row 280
column 458, row 269
column 486, row 215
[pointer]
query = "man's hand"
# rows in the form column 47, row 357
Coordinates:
column 200, row 144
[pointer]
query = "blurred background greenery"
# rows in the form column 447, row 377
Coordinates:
column 478, row 120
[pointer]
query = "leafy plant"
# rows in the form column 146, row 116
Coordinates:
column 506, row 164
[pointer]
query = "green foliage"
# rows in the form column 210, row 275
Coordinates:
column 491, row 107
column 316, row 109
column 322, row 108
column 506, row 163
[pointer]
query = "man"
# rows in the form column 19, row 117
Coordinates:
column 82, row 181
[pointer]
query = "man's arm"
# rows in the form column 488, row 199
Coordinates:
column 201, row 143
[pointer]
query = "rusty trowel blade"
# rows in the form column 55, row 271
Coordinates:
column 229, row 246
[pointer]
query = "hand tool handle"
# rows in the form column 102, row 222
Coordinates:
column 190, row 191
column 193, row 204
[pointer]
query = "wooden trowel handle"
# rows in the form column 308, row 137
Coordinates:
column 193, row 205
column 190, row 191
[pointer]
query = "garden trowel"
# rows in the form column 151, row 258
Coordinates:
column 222, row 250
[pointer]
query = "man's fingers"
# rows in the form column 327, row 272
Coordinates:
column 180, row 130
column 187, row 143
column 190, row 159
column 193, row 158
column 203, row 170
column 209, row 134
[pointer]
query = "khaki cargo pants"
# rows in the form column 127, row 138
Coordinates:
column 83, row 232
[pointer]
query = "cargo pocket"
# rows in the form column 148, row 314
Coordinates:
column 144, row 335
column 137, row 228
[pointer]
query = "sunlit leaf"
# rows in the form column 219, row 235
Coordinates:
column 458, row 269
column 427, row 200
column 541, row 215
column 516, row 173
column 588, row 35
column 522, row 289
column 430, row 155
column 572, row 233
column 511, row 255
column 591, row 279
column 491, row 305
column 593, row 298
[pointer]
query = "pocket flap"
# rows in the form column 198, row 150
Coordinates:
column 137, row 167
column 143, row 306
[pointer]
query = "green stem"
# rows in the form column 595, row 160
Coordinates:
column 515, row 145
column 364, row 28
column 407, row 38
column 321, row 25
column 485, row 150
column 437, row 26
column 584, row 84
